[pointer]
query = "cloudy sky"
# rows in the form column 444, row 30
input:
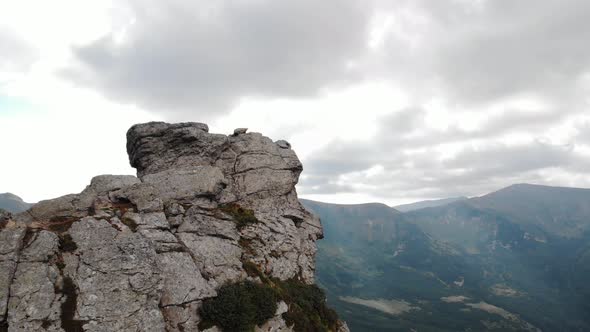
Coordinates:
column 390, row 101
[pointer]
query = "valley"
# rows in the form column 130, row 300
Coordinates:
column 516, row 259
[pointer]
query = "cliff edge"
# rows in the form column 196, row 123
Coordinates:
column 146, row 253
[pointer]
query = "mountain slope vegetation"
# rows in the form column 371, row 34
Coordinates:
column 516, row 259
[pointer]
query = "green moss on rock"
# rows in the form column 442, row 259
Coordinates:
column 242, row 216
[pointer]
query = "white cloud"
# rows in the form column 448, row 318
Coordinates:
column 51, row 153
column 55, row 136
column 383, row 101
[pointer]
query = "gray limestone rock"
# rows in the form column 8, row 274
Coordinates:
column 33, row 297
column 4, row 217
column 203, row 224
column 142, row 253
column 55, row 208
column 143, row 196
column 182, row 318
column 239, row 131
column 158, row 146
column 283, row 144
column 218, row 259
column 118, row 279
column 187, row 184
column 105, row 183
column 182, row 281
column 11, row 238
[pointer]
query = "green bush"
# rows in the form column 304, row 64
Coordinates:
column 308, row 310
column 239, row 307
column 242, row 216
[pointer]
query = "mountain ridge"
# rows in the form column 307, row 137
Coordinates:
column 474, row 264
column 428, row 203
column 13, row 203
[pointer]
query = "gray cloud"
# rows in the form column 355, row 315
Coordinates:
column 343, row 157
column 583, row 134
column 406, row 128
column 16, row 54
column 479, row 51
column 198, row 60
column 194, row 59
column 473, row 170
column 190, row 60
column 319, row 185
column 500, row 159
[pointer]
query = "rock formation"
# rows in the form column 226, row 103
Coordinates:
column 142, row 253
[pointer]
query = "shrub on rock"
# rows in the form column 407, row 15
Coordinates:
column 239, row 307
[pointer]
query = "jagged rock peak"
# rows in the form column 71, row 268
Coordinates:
column 142, row 254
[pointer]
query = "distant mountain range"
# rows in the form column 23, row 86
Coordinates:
column 427, row 204
column 13, row 203
column 516, row 259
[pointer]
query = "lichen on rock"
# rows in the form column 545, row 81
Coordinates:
column 143, row 253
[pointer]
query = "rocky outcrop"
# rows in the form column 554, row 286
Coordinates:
column 142, row 253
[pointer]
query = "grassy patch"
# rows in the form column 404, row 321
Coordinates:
column 242, row 216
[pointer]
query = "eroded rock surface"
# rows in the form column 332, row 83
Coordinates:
column 142, row 253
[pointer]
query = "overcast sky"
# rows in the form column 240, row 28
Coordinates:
column 389, row 101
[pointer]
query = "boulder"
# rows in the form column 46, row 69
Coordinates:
column 239, row 131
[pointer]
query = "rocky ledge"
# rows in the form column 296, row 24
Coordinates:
column 143, row 253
